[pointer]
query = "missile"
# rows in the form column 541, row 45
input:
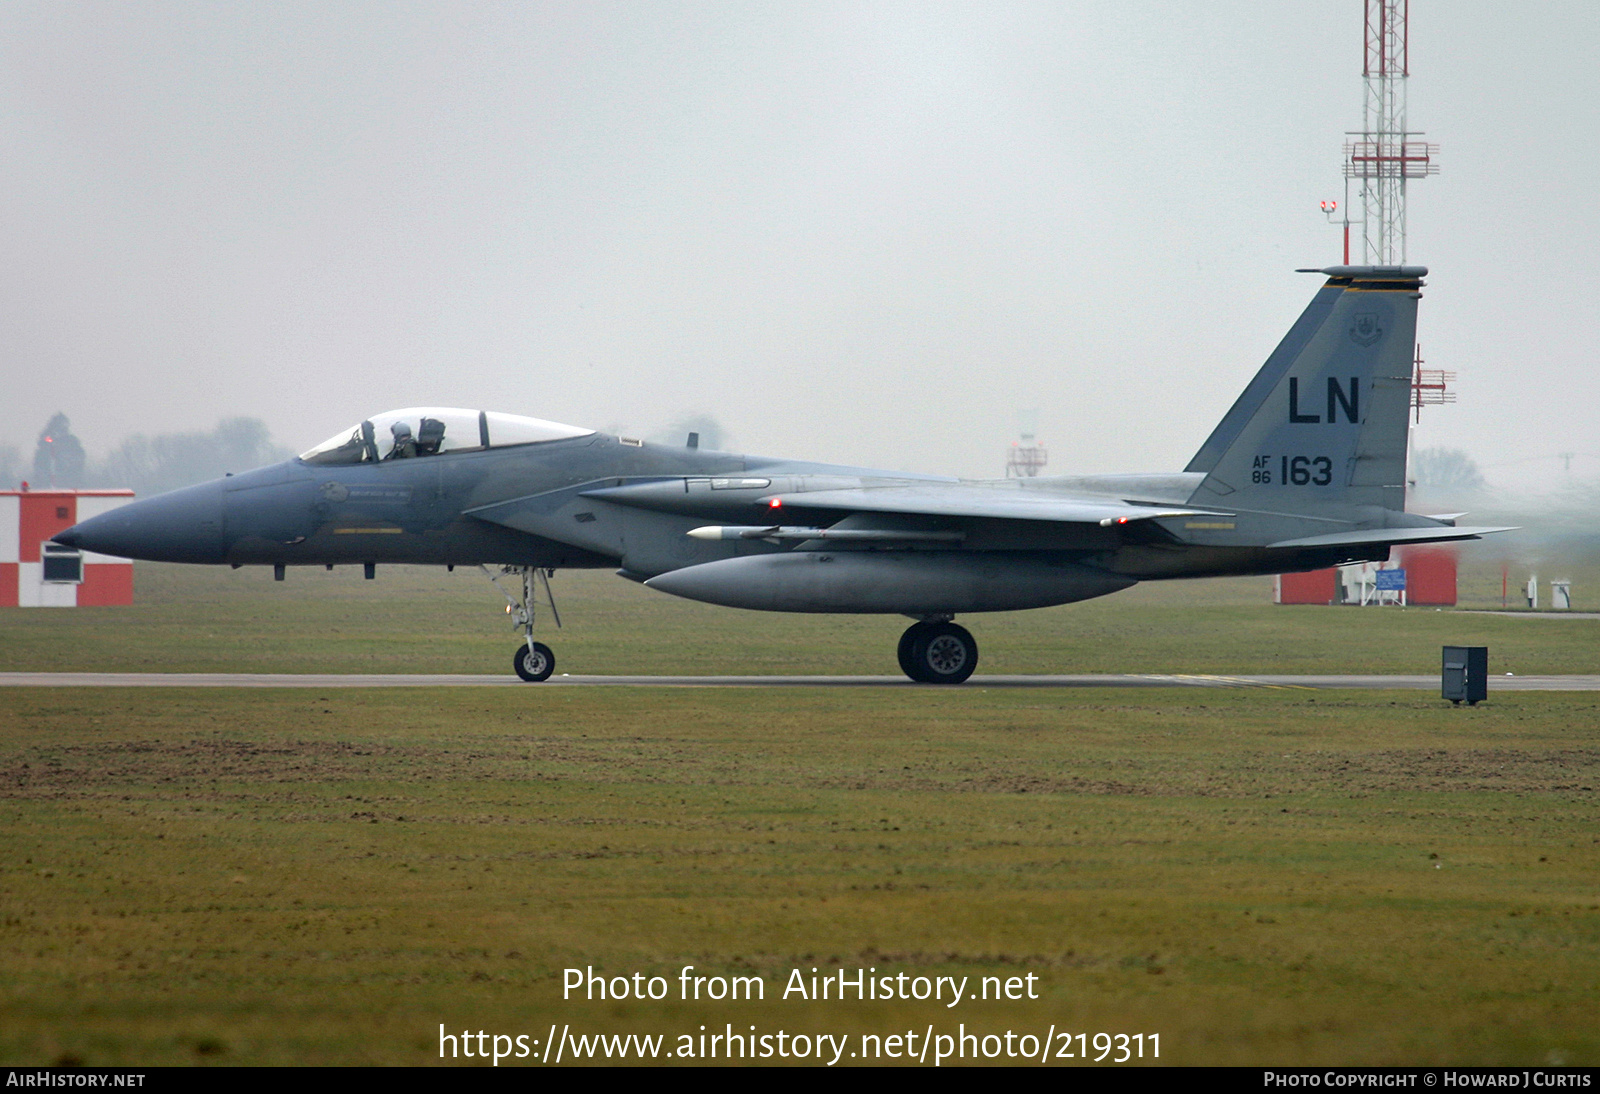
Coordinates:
column 712, row 531
column 859, row 535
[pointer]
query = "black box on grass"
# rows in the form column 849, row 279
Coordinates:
column 1465, row 674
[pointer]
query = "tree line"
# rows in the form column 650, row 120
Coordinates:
column 146, row 464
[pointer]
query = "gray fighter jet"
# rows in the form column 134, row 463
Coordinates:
column 1305, row 471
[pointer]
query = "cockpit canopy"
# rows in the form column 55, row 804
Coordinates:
column 431, row 430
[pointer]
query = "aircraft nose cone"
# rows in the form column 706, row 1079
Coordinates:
column 182, row 526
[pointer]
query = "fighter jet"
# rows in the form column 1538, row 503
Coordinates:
column 1307, row 470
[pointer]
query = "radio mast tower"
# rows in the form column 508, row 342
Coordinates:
column 1382, row 156
column 1027, row 459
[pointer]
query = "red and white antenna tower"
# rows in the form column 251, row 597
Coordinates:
column 1382, row 156
column 1026, row 459
column 1429, row 386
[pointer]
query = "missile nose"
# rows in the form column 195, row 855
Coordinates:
column 67, row 538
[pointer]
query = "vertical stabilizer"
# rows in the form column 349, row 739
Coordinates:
column 1323, row 426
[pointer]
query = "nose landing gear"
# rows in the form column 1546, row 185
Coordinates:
column 533, row 661
column 937, row 651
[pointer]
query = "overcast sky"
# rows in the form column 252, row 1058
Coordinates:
column 860, row 232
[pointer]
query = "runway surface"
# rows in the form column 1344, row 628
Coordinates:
column 1531, row 614
column 1151, row 680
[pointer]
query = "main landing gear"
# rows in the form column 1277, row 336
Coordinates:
column 533, row 661
column 937, row 651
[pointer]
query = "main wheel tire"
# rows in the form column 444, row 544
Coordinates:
column 907, row 641
column 534, row 663
column 943, row 653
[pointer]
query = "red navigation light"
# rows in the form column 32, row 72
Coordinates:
column 774, row 504
column 1330, row 206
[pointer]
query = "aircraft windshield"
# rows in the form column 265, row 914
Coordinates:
column 429, row 431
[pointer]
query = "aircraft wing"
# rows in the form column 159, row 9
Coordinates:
column 962, row 500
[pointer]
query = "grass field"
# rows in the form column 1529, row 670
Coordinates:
column 1258, row 876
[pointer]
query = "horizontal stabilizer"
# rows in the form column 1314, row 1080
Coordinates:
column 1381, row 536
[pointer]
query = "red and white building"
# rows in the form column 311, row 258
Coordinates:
column 1430, row 580
column 35, row 573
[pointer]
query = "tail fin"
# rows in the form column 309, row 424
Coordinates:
column 1323, row 426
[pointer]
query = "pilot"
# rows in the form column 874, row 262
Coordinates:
column 404, row 443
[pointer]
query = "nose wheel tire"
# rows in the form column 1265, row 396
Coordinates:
column 938, row 653
column 534, row 663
